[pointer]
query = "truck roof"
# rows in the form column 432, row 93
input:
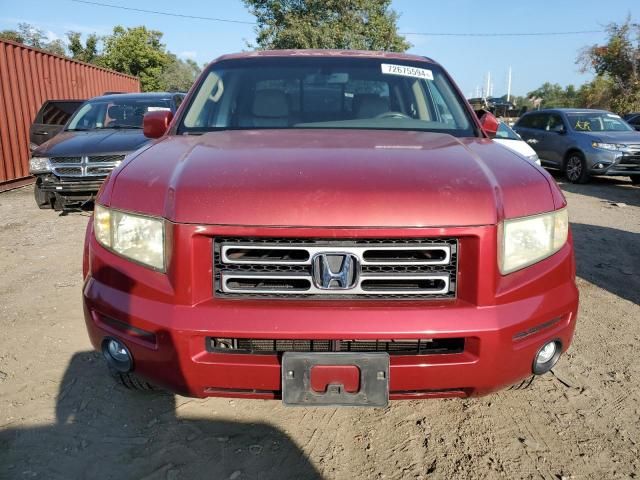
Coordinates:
column 327, row 53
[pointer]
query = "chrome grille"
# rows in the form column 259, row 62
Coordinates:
column 630, row 157
column 85, row 166
column 287, row 268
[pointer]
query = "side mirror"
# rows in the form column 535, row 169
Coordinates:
column 489, row 124
column 155, row 124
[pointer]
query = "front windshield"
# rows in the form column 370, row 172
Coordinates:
column 505, row 133
column 597, row 122
column 336, row 93
column 100, row 114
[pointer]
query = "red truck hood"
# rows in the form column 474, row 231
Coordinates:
column 329, row 178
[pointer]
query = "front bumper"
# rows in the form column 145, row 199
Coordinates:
column 64, row 192
column 70, row 186
column 164, row 320
column 601, row 162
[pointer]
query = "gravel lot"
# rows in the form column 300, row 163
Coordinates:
column 61, row 417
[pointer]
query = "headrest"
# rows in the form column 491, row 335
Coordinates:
column 116, row 112
column 270, row 103
column 369, row 105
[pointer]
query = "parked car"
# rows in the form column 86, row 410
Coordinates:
column 50, row 120
column 278, row 243
column 582, row 142
column 71, row 167
column 508, row 138
column 633, row 119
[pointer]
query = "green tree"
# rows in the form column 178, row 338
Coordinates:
column 34, row 37
column 85, row 53
column 12, row 35
column 136, row 51
column 553, row 95
column 618, row 62
column 343, row 24
column 597, row 93
column 179, row 75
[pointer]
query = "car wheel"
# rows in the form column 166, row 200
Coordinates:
column 575, row 168
column 42, row 198
column 133, row 382
column 635, row 179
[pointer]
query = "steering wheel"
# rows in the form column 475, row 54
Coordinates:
column 393, row 115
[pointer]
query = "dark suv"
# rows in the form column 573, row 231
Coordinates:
column 70, row 167
column 582, row 142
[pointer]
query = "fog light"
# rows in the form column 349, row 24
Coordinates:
column 222, row 343
column 547, row 357
column 117, row 355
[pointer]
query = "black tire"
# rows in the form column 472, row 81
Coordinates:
column 575, row 168
column 42, row 198
column 635, row 179
column 133, row 382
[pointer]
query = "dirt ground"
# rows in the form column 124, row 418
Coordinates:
column 61, row 417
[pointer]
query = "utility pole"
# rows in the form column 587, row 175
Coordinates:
column 488, row 90
column 509, row 86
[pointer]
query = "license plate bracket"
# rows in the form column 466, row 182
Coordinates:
column 373, row 382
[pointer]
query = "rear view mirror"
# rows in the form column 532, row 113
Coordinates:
column 155, row 124
column 489, row 124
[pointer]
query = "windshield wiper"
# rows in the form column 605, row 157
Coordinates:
column 119, row 127
column 77, row 129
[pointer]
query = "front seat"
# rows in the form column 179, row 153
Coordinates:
column 369, row 105
column 270, row 108
column 116, row 115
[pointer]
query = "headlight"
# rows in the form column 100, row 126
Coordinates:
column 133, row 236
column 534, row 159
column 525, row 241
column 39, row 165
column 608, row 146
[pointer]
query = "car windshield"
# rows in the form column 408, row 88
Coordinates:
column 101, row 114
column 505, row 133
column 336, row 93
column 597, row 122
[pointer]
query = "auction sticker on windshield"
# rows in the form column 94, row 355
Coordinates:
column 405, row 71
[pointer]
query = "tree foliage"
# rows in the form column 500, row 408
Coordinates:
column 85, row 53
column 342, row 24
column 553, row 95
column 34, row 37
column 617, row 64
column 597, row 94
column 136, row 51
column 179, row 74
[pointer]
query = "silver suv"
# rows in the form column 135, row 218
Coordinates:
column 583, row 142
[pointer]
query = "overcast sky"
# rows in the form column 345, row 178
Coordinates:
column 534, row 59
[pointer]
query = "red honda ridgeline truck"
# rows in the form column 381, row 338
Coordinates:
column 328, row 227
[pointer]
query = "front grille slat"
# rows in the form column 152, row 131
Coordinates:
column 289, row 268
column 58, row 160
column 418, row 346
column 105, row 158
